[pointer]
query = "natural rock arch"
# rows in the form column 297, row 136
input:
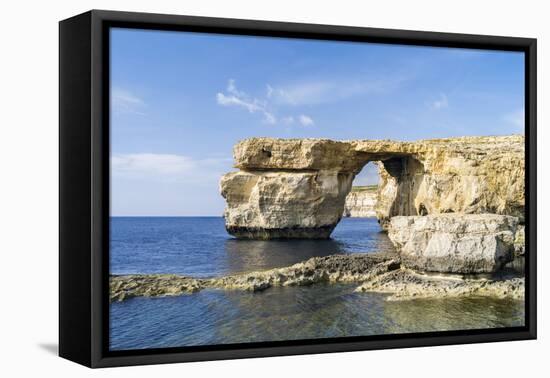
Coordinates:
column 296, row 188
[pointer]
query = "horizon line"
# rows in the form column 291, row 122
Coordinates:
column 165, row 216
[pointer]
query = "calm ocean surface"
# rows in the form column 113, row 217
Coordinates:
column 200, row 247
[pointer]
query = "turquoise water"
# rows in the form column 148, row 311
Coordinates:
column 201, row 247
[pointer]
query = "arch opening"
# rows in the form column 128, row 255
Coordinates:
column 387, row 187
column 361, row 200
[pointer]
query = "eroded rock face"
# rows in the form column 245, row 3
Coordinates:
column 454, row 243
column 361, row 202
column 462, row 175
column 297, row 187
column 271, row 204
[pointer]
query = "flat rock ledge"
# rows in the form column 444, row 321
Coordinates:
column 380, row 272
column 405, row 284
column 335, row 268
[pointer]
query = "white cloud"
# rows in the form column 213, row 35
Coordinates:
column 124, row 101
column 516, row 118
column 440, row 103
column 304, row 93
column 241, row 99
column 264, row 106
column 171, row 167
column 288, row 120
column 269, row 118
column 328, row 91
column 150, row 164
column 368, row 176
column 269, row 91
column 225, row 100
column 231, row 88
column 305, row 120
column 167, row 184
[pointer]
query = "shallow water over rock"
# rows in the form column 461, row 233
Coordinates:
column 319, row 311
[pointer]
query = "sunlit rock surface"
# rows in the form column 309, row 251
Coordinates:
column 405, row 284
column 274, row 204
column 361, row 202
column 454, row 243
column 297, row 188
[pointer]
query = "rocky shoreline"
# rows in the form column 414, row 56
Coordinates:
column 374, row 272
column 335, row 268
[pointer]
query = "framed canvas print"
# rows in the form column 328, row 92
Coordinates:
column 234, row 188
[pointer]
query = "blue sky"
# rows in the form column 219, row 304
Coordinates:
column 180, row 101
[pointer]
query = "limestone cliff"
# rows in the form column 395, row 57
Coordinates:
column 298, row 187
column 361, row 202
column 271, row 204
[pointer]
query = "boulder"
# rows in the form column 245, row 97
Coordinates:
column 454, row 243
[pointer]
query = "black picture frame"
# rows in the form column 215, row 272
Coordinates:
column 84, row 186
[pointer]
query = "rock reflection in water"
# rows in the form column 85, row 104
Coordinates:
column 200, row 246
column 251, row 255
column 353, row 235
column 516, row 266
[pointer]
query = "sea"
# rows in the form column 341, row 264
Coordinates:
column 200, row 247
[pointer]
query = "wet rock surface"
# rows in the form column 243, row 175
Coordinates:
column 375, row 272
column 404, row 284
column 334, row 268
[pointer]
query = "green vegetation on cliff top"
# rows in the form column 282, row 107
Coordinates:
column 366, row 188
